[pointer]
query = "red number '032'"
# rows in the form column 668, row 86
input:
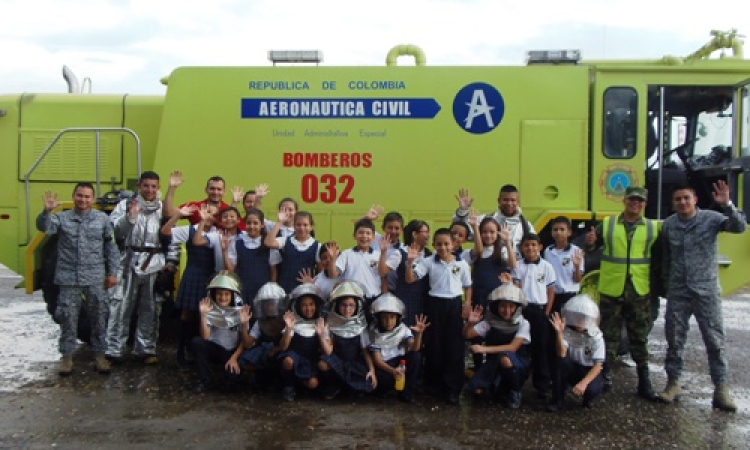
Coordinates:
column 327, row 188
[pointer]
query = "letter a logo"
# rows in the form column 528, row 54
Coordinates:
column 478, row 108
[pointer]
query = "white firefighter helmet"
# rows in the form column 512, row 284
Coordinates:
column 506, row 292
column 581, row 311
column 270, row 301
column 388, row 303
column 344, row 289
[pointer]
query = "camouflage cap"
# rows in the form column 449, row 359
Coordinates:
column 636, row 192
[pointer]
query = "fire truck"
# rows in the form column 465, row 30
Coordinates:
column 571, row 134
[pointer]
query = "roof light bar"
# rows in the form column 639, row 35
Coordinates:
column 295, row 56
column 553, row 56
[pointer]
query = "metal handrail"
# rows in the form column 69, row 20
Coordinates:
column 95, row 130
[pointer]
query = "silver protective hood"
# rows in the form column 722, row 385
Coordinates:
column 510, row 293
column 581, row 339
column 270, row 302
column 581, row 311
column 387, row 339
column 388, row 303
column 228, row 317
column 347, row 327
column 306, row 327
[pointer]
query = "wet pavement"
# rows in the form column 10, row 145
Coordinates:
column 145, row 407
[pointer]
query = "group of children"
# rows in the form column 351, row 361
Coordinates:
column 387, row 313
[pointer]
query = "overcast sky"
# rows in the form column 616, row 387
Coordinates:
column 127, row 46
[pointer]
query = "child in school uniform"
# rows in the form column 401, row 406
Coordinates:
column 321, row 279
column 414, row 295
column 350, row 365
column 581, row 350
column 537, row 281
column 224, row 326
column 362, row 263
column 449, row 277
column 200, row 267
column 288, row 207
column 251, row 260
column 493, row 256
column 262, row 346
column 506, row 335
column 305, row 338
column 390, row 341
column 220, row 240
column 298, row 252
column 460, row 232
column 567, row 260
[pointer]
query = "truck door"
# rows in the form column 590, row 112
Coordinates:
column 741, row 138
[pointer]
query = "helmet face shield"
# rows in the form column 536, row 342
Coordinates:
column 581, row 312
column 270, row 301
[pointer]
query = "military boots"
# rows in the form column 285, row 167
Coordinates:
column 723, row 399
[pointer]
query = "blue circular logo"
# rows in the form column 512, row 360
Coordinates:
column 478, row 108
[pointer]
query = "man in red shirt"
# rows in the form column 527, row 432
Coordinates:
column 214, row 190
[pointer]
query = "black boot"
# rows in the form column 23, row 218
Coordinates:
column 645, row 390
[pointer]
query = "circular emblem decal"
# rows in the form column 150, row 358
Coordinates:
column 478, row 108
column 615, row 179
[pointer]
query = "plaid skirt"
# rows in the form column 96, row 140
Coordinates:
column 352, row 373
column 257, row 357
column 193, row 287
column 303, row 368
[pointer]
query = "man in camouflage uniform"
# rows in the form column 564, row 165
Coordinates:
column 691, row 269
column 86, row 250
column 624, row 283
column 136, row 221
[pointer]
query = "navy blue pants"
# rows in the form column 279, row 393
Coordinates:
column 444, row 347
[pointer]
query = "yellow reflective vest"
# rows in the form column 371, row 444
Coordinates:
column 622, row 257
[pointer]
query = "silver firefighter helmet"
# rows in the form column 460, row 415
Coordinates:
column 353, row 325
column 225, row 279
column 388, row 303
column 270, row 301
column 581, row 311
column 506, row 292
column 306, row 290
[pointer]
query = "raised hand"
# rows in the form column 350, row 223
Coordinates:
column 413, row 253
column 306, row 276
column 591, row 236
column 721, row 193
column 476, row 314
column 321, row 327
column 205, row 306
column 245, row 315
column 225, row 240
column 50, row 201
column 464, row 201
column 384, row 243
column 284, row 216
column 262, row 190
column 289, row 319
column 420, row 323
column 558, row 323
column 577, row 258
column 505, row 232
column 187, row 211
column 238, row 193
column 135, row 209
column 473, row 218
column 374, row 212
column 206, row 214
column 175, row 179
column 332, row 248
column 505, row 278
